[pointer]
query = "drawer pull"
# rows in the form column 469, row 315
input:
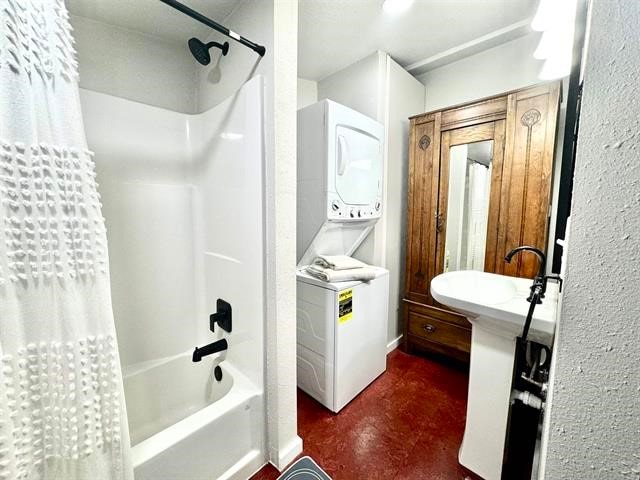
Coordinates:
column 428, row 328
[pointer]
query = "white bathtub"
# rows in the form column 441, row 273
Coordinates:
column 185, row 425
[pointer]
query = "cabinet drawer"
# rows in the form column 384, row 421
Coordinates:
column 439, row 332
column 442, row 314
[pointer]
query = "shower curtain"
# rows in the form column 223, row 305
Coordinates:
column 62, row 412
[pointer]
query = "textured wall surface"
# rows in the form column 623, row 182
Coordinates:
column 225, row 75
column 138, row 67
column 499, row 69
column 284, row 443
column 405, row 97
column 595, row 413
column 307, row 92
column 361, row 86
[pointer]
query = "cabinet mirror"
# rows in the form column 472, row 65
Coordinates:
column 470, row 167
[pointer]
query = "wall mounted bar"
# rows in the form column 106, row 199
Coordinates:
column 259, row 49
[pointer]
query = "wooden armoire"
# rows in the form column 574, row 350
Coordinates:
column 499, row 154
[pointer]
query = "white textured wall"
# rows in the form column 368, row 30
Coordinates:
column 358, row 86
column 281, row 215
column 252, row 19
column 595, row 413
column 307, row 92
column 381, row 89
column 134, row 66
column 405, row 97
column 499, row 69
column 361, row 86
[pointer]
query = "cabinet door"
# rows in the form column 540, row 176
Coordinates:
column 424, row 166
column 526, row 186
column 471, row 162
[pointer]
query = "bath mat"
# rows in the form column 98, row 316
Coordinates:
column 304, row 469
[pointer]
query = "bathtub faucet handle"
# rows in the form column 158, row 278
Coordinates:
column 222, row 316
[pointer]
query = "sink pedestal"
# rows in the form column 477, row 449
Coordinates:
column 490, row 377
column 496, row 307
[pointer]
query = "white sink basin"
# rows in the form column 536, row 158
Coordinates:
column 496, row 306
column 497, row 303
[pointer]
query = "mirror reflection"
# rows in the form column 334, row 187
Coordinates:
column 468, row 205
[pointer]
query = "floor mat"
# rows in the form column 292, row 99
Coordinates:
column 304, row 469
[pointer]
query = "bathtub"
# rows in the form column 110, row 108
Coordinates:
column 185, row 425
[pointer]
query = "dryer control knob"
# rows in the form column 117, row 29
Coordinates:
column 359, row 213
column 351, row 214
column 335, row 207
column 378, row 205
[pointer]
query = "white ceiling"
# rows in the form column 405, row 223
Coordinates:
column 332, row 34
column 153, row 17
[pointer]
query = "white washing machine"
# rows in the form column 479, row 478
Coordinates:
column 342, row 336
column 342, row 327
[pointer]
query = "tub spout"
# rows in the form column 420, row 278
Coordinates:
column 210, row 349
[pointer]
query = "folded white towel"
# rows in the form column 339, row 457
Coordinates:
column 329, row 275
column 338, row 262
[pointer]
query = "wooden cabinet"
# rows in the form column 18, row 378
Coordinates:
column 490, row 204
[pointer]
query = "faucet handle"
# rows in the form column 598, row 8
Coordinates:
column 556, row 278
column 222, row 316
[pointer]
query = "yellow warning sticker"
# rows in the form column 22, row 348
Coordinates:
column 345, row 305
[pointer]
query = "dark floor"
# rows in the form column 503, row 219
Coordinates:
column 408, row 424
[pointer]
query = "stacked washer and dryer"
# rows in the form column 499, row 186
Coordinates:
column 341, row 326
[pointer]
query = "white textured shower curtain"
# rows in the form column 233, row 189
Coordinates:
column 62, row 413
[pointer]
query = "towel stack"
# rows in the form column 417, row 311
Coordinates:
column 340, row 268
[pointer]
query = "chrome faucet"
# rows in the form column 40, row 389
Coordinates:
column 539, row 280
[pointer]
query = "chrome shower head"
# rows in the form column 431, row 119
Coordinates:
column 200, row 50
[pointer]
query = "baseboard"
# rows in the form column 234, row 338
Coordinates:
column 245, row 467
column 393, row 344
column 287, row 454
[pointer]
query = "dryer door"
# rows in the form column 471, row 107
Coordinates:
column 358, row 167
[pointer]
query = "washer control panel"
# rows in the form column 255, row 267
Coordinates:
column 338, row 210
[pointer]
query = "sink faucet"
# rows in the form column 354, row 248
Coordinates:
column 210, row 349
column 538, row 281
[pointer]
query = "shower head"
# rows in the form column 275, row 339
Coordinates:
column 200, row 50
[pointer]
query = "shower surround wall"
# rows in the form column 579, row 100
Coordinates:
column 170, row 78
column 183, row 200
column 274, row 24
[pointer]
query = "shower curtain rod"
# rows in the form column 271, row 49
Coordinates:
column 259, row 49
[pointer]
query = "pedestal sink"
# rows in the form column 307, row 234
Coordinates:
column 497, row 308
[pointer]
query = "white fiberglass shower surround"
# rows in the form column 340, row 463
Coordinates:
column 183, row 200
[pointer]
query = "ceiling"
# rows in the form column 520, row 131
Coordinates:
column 333, row 34
column 152, row 17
